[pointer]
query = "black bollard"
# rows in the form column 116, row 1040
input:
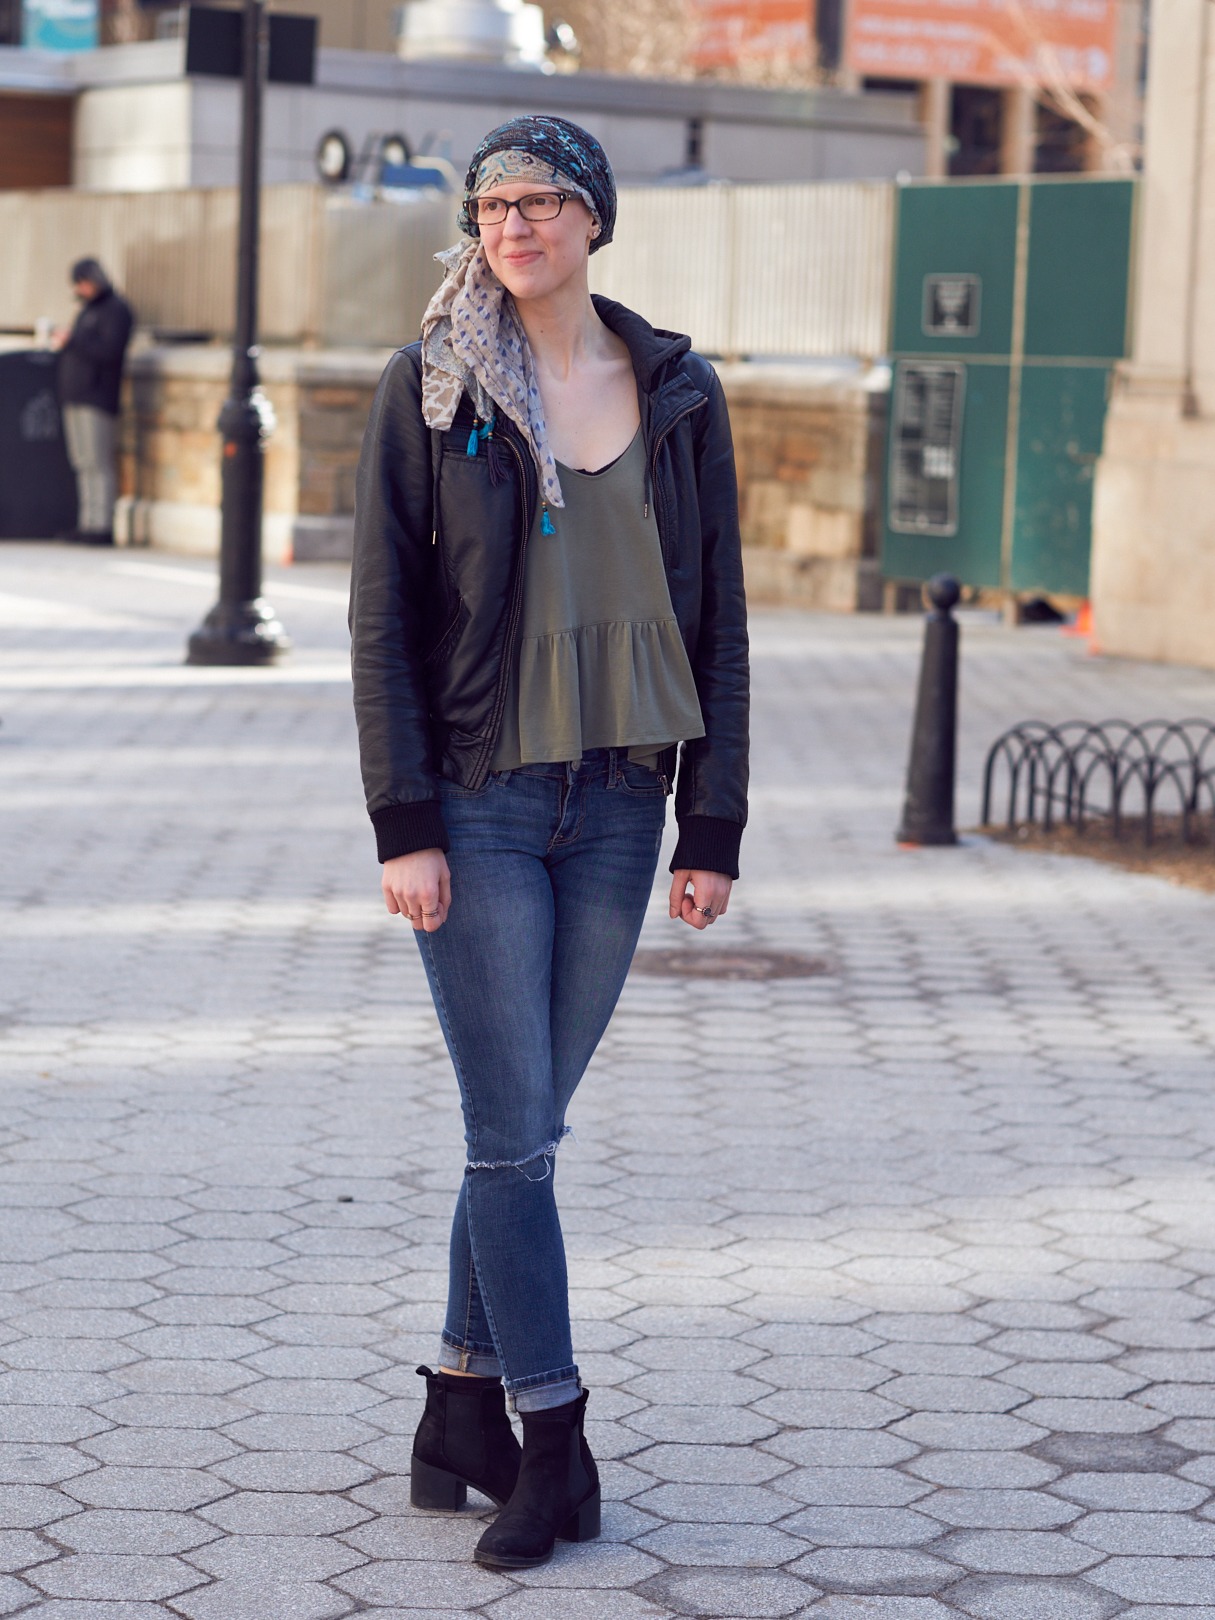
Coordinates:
column 928, row 807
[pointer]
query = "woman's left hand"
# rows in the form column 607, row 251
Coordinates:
column 708, row 900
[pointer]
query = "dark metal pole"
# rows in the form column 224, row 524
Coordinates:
column 242, row 627
column 928, row 807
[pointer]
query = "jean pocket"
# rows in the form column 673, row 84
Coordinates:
column 639, row 779
column 453, row 790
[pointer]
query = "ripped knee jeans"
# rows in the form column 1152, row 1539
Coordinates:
column 552, row 867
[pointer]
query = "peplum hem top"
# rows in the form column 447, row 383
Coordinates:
column 601, row 662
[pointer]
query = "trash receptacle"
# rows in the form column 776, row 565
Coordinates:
column 37, row 484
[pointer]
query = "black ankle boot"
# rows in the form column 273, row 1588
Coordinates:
column 557, row 1495
column 465, row 1438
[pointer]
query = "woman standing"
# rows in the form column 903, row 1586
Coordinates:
column 546, row 602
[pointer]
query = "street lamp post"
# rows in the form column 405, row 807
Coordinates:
column 242, row 627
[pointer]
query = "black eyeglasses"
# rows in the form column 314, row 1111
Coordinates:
column 493, row 210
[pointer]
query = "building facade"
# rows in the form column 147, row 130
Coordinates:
column 1153, row 576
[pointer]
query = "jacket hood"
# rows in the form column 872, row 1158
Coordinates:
column 650, row 349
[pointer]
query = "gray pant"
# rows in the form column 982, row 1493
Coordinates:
column 92, row 447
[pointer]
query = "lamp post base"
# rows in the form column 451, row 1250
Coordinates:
column 238, row 633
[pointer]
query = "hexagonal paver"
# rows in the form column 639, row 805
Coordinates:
column 115, row 1577
column 893, row 1286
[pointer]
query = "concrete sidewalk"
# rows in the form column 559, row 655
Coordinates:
column 895, row 1287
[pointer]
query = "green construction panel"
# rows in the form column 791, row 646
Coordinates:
column 1078, row 281
column 1061, row 422
column 961, row 231
column 973, row 553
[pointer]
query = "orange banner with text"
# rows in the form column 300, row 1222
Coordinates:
column 732, row 32
column 991, row 42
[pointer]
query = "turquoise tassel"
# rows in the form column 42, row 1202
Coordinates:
column 546, row 522
column 482, row 432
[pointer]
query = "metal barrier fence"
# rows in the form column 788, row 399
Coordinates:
column 172, row 253
column 757, row 270
column 332, row 271
column 745, row 270
column 1055, row 772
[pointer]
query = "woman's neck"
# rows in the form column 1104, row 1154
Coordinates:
column 563, row 330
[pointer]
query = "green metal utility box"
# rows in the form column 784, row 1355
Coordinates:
column 1010, row 304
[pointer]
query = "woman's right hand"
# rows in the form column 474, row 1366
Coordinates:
column 418, row 886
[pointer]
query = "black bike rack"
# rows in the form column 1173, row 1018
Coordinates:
column 1057, row 772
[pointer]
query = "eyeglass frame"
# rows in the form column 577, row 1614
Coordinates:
column 474, row 203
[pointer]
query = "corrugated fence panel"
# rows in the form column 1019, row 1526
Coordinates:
column 745, row 270
column 757, row 270
column 171, row 252
column 377, row 267
column 812, row 267
column 670, row 259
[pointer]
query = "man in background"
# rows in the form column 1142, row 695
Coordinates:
column 91, row 353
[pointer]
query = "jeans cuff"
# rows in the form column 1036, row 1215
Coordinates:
column 469, row 1358
column 544, row 1390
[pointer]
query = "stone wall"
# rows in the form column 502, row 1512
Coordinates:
column 171, row 461
column 808, row 442
column 1153, row 569
column 809, row 446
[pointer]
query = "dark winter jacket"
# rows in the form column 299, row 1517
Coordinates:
column 437, row 591
column 90, row 362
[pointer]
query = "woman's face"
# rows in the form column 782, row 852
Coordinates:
column 535, row 258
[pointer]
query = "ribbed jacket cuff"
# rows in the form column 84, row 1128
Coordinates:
column 401, row 829
column 707, row 844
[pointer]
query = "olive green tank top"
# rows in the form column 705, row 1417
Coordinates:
column 601, row 660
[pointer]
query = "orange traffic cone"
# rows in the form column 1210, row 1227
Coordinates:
column 1082, row 624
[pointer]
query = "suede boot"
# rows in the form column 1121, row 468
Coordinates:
column 465, row 1438
column 557, row 1496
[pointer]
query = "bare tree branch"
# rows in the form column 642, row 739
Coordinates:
column 652, row 39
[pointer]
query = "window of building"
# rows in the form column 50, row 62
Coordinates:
column 976, row 128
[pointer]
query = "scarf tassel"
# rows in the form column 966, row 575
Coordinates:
column 480, row 430
column 546, row 522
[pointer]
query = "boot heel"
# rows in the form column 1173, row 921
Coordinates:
column 434, row 1488
column 583, row 1525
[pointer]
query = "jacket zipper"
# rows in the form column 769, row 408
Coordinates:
column 482, row 771
column 658, row 444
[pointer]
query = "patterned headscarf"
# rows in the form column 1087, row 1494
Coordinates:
column 472, row 338
column 556, row 152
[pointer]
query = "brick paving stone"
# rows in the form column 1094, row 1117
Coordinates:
column 863, row 1526
column 897, row 1570
column 85, row 1609
column 896, row 1297
column 265, row 1597
column 1001, row 1598
column 837, row 1607
column 563, row 1604
column 114, row 1530
column 730, row 1592
column 1017, row 1552
column 1132, row 1492
column 1160, row 1579
column 109, row 1576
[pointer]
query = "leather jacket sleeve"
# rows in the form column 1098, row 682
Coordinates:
column 711, row 790
column 393, row 560
column 102, row 331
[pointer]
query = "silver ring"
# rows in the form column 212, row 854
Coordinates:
column 432, row 913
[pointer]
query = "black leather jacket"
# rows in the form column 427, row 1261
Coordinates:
column 437, row 588
column 90, row 362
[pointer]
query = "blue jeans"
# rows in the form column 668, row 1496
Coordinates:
column 551, row 870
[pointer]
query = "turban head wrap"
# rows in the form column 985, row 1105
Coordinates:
column 472, row 338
